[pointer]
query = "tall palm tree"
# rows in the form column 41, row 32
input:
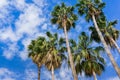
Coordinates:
column 110, row 34
column 93, row 11
column 36, row 51
column 88, row 58
column 55, row 53
column 64, row 17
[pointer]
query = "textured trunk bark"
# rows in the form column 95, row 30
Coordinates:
column 94, row 75
column 70, row 55
column 38, row 73
column 106, row 47
column 52, row 73
column 115, row 44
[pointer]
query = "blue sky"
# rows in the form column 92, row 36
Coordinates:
column 24, row 20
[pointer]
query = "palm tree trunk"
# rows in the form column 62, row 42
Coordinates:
column 115, row 44
column 94, row 74
column 70, row 55
column 38, row 73
column 52, row 73
column 106, row 47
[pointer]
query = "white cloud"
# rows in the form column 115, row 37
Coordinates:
column 47, row 75
column 5, row 10
column 40, row 3
column 3, row 3
column 19, row 4
column 10, row 51
column 8, row 33
column 6, row 74
column 44, row 27
column 65, row 73
column 30, row 74
column 29, row 20
column 113, row 78
column 23, row 54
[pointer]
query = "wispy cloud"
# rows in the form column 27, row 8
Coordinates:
column 113, row 78
column 65, row 73
column 30, row 18
column 10, row 51
column 6, row 74
column 20, row 5
column 3, row 3
column 5, row 10
column 30, row 74
column 8, row 34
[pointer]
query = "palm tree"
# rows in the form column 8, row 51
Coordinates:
column 36, row 51
column 64, row 17
column 93, row 11
column 88, row 58
column 55, row 53
column 110, row 34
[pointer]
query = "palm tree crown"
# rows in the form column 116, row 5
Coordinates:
column 107, row 30
column 63, row 14
column 88, row 58
column 55, row 52
column 37, row 50
column 90, row 7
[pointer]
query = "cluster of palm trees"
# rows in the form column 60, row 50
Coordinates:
column 48, row 52
column 82, row 56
